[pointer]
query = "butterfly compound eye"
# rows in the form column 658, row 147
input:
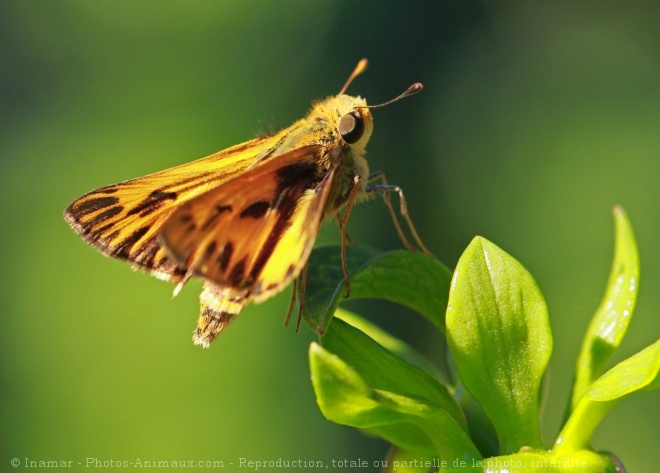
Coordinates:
column 351, row 127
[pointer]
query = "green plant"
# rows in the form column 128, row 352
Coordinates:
column 496, row 323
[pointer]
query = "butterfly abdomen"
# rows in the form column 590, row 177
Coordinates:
column 217, row 311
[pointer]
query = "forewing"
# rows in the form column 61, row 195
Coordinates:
column 253, row 234
column 123, row 220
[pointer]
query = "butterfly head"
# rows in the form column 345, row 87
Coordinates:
column 354, row 122
column 351, row 120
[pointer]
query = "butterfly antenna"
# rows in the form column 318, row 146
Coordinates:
column 359, row 69
column 412, row 90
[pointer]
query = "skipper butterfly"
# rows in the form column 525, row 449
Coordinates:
column 244, row 219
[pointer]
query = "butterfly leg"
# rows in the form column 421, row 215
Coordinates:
column 303, row 287
column 292, row 303
column 385, row 189
column 352, row 194
column 303, row 284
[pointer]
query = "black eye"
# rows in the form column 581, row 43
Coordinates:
column 351, row 127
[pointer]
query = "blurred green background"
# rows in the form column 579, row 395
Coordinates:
column 536, row 118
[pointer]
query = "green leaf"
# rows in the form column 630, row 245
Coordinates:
column 323, row 283
column 499, row 334
column 482, row 431
column 386, row 371
column 391, row 343
column 408, row 421
column 637, row 373
column 610, row 322
column 408, row 461
column 412, row 279
column 584, row 461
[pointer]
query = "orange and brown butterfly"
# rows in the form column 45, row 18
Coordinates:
column 244, row 219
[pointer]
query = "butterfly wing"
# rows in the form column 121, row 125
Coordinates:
column 123, row 220
column 252, row 235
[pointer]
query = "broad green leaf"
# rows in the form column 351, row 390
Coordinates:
column 323, row 282
column 637, row 373
column 386, row 371
column 391, row 343
column 482, row 431
column 409, row 461
column 584, row 461
column 411, row 422
column 499, row 334
column 610, row 322
column 412, row 279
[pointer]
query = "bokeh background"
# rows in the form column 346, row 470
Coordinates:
column 536, row 119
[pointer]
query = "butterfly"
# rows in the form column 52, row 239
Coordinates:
column 245, row 219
